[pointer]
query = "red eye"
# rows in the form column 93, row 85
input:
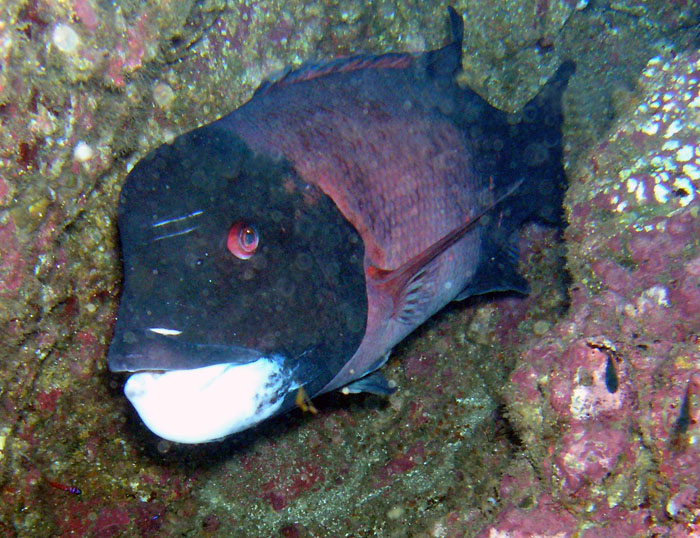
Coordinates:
column 242, row 240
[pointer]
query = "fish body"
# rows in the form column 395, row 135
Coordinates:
column 292, row 243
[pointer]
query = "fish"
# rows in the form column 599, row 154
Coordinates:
column 282, row 251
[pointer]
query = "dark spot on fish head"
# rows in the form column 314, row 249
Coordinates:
column 529, row 113
column 497, row 144
column 536, row 154
column 230, row 255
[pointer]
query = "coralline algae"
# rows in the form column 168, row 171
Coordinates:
column 627, row 460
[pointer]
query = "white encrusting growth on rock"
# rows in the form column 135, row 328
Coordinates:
column 65, row 38
column 82, row 152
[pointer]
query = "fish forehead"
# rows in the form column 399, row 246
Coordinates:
column 304, row 284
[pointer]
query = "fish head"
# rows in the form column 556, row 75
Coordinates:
column 242, row 284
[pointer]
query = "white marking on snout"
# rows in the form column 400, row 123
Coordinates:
column 178, row 219
column 164, row 331
column 175, row 234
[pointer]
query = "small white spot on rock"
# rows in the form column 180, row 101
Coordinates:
column 691, row 171
column 82, row 152
column 657, row 294
column 65, row 38
column 650, row 128
column 670, row 145
column 684, row 154
column 685, row 189
column 169, row 136
column 395, row 513
column 640, row 193
column 673, row 128
column 163, row 95
column 661, row 193
column 439, row 530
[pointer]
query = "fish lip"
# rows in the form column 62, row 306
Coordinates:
column 139, row 350
column 209, row 403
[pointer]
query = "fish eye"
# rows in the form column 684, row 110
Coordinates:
column 242, row 240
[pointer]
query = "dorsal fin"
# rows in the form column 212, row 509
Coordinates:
column 393, row 282
column 445, row 59
column 394, row 60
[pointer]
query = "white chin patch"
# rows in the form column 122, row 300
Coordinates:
column 204, row 404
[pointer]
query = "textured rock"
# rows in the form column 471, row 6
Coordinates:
column 607, row 404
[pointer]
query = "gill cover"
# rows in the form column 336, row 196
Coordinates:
column 190, row 301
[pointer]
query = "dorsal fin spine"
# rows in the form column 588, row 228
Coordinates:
column 392, row 60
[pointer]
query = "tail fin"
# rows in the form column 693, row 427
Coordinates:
column 525, row 148
column 538, row 160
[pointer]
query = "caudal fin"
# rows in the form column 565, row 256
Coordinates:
column 538, row 161
column 523, row 149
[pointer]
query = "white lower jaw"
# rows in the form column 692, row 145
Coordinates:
column 204, row 404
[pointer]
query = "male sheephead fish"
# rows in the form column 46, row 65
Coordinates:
column 291, row 244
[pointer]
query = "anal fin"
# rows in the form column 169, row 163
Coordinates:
column 497, row 269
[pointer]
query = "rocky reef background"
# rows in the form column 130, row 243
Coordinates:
column 572, row 412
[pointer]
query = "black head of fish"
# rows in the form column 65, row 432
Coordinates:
column 229, row 257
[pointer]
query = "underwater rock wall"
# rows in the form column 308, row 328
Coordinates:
column 607, row 403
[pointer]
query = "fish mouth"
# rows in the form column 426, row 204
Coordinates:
column 209, row 403
column 194, row 393
column 138, row 350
